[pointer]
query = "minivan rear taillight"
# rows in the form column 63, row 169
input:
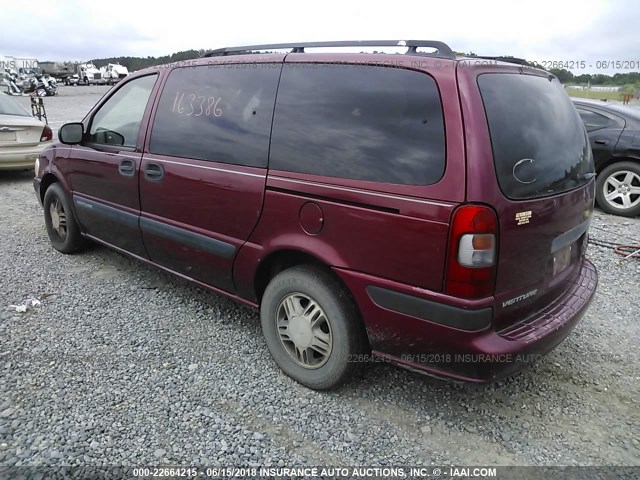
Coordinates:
column 473, row 249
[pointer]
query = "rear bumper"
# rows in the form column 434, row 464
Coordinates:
column 444, row 346
column 19, row 158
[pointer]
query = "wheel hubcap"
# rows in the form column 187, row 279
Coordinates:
column 58, row 218
column 304, row 330
column 622, row 189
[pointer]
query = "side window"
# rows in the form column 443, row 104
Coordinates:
column 118, row 120
column 359, row 122
column 592, row 120
column 219, row 113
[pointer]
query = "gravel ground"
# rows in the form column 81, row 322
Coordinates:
column 122, row 364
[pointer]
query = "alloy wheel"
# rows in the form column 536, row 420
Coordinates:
column 622, row 189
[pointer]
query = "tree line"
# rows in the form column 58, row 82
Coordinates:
column 138, row 63
column 619, row 79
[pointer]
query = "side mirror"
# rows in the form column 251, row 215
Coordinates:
column 71, row 133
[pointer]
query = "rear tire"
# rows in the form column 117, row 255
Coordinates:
column 618, row 189
column 62, row 228
column 312, row 327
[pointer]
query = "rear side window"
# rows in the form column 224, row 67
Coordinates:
column 540, row 146
column 592, row 120
column 221, row 113
column 359, row 122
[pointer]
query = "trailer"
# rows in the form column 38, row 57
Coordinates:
column 61, row 71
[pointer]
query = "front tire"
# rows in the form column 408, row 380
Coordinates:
column 62, row 228
column 618, row 189
column 312, row 327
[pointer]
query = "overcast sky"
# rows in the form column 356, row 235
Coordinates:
column 540, row 30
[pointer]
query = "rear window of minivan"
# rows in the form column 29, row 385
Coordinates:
column 540, row 146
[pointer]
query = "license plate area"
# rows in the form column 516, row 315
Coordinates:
column 7, row 136
column 562, row 259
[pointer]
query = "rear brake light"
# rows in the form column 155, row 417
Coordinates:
column 471, row 261
column 47, row 134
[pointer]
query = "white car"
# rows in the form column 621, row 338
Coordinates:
column 22, row 136
column 72, row 80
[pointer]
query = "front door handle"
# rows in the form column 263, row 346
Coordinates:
column 127, row 168
column 153, row 172
column 601, row 142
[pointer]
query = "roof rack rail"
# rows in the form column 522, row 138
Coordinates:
column 442, row 49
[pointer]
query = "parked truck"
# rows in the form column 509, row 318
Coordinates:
column 88, row 74
column 113, row 73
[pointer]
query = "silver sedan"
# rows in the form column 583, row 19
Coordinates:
column 22, row 136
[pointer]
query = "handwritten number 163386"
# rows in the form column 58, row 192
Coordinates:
column 189, row 104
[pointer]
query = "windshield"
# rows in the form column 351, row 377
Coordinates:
column 8, row 106
column 540, row 146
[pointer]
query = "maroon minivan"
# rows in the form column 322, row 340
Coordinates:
column 421, row 208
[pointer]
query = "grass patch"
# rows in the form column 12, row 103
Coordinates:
column 593, row 94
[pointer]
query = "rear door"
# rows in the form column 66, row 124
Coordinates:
column 604, row 131
column 204, row 172
column 535, row 168
column 103, row 169
column 364, row 146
